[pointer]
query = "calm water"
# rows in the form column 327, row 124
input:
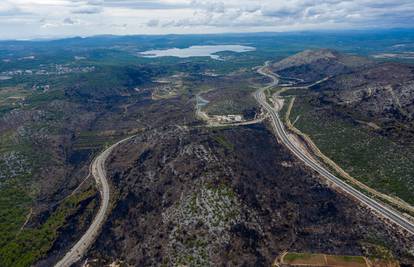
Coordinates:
column 197, row 51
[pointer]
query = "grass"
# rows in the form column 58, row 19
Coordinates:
column 39, row 99
column 6, row 141
column 352, row 259
column 10, row 98
column 19, row 164
column 295, row 92
column 324, row 260
column 377, row 247
column 284, row 109
column 295, row 256
column 14, row 205
column 23, row 248
column 344, row 261
column 364, row 154
column 17, row 192
column 231, row 103
column 304, row 258
column 11, row 94
column 94, row 139
column 224, row 142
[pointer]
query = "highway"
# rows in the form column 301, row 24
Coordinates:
column 386, row 212
column 99, row 173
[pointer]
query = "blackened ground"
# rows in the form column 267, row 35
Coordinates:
column 75, row 226
column 280, row 204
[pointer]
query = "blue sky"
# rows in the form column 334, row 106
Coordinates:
column 25, row 19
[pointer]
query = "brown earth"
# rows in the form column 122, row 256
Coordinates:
column 226, row 197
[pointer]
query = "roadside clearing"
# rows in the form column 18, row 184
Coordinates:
column 315, row 151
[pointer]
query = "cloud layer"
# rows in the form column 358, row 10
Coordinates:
column 56, row 18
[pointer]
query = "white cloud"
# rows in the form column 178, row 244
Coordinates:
column 153, row 23
column 68, row 21
column 91, row 17
column 87, row 10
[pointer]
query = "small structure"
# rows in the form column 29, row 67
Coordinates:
column 228, row 118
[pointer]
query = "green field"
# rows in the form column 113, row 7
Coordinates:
column 371, row 158
column 297, row 259
column 23, row 247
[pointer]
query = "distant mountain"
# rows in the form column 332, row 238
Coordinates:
column 312, row 65
column 365, row 90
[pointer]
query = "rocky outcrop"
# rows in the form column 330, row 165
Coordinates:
column 385, row 90
column 233, row 196
column 382, row 95
column 313, row 65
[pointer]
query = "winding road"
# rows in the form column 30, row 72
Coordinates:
column 99, row 173
column 381, row 209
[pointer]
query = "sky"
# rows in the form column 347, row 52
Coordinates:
column 28, row 19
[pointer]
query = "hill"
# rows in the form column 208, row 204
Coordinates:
column 383, row 94
column 312, row 65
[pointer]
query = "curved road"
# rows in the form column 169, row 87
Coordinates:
column 387, row 212
column 99, row 173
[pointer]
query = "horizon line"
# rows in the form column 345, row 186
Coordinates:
column 57, row 38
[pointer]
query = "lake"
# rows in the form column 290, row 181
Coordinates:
column 197, row 51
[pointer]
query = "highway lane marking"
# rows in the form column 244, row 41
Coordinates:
column 383, row 210
column 99, row 173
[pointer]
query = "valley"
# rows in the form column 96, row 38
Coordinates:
column 114, row 158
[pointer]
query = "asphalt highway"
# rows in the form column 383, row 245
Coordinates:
column 392, row 215
column 99, row 173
